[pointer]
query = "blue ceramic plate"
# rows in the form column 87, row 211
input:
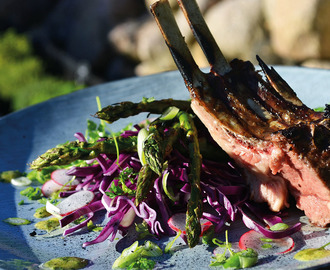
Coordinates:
column 30, row 132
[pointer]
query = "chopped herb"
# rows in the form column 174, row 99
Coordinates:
column 92, row 227
column 236, row 260
column 16, row 221
column 135, row 252
column 148, row 100
column 266, row 246
column 32, row 193
column 121, row 187
column 41, row 212
column 170, row 244
column 43, row 175
column 21, row 202
column 6, row 176
column 48, row 225
column 266, row 239
column 17, row 264
column 142, row 263
column 208, row 236
column 279, row 227
column 319, row 109
column 66, row 263
column 44, row 200
column 313, row 253
column 143, row 230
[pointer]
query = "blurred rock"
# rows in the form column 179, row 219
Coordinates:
column 299, row 29
column 80, row 27
column 316, row 63
column 238, row 29
column 123, row 37
column 116, row 39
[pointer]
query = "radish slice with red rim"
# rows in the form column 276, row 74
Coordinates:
column 61, row 177
column 264, row 245
column 52, row 209
column 177, row 223
column 49, row 187
column 71, row 203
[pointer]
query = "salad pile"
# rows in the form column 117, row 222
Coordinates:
column 166, row 174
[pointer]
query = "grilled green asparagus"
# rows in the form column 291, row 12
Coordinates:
column 194, row 207
column 75, row 150
column 144, row 183
column 125, row 109
column 153, row 148
column 157, row 146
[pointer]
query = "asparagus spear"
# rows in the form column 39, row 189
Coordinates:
column 156, row 147
column 125, row 109
column 153, row 149
column 155, row 152
column 144, row 183
column 194, row 207
column 69, row 152
column 159, row 144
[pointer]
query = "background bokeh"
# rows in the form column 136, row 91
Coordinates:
column 53, row 47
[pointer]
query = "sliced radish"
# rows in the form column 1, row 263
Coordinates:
column 21, row 181
column 177, row 223
column 52, row 209
column 59, row 181
column 62, row 178
column 258, row 242
column 49, row 187
column 128, row 218
column 71, row 203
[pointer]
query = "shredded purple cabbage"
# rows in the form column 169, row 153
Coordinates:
column 224, row 192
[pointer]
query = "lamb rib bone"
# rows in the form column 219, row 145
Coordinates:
column 281, row 144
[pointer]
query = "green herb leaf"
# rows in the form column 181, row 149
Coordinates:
column 66, row 263
column 266, row 246
column 312, row 253
column 236, row 260
column 142, row 263
column 121, row 188
column 170, row 244
column 16, row 221
column 21, row 202
column 279, row 227
column 48, row 225
column 43, row 175
column 219, row 259
column 41, row 212
column 208, row 236
column 247, row 258
column 6, row 176
column 266, row 239
column 143, row 230
column 319, row 109
column 232, row 262
column 135, row 252
column 32, row 193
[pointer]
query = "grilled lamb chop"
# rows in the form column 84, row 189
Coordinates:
column 282, row 145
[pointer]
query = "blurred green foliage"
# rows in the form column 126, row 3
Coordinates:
column 23, row 79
